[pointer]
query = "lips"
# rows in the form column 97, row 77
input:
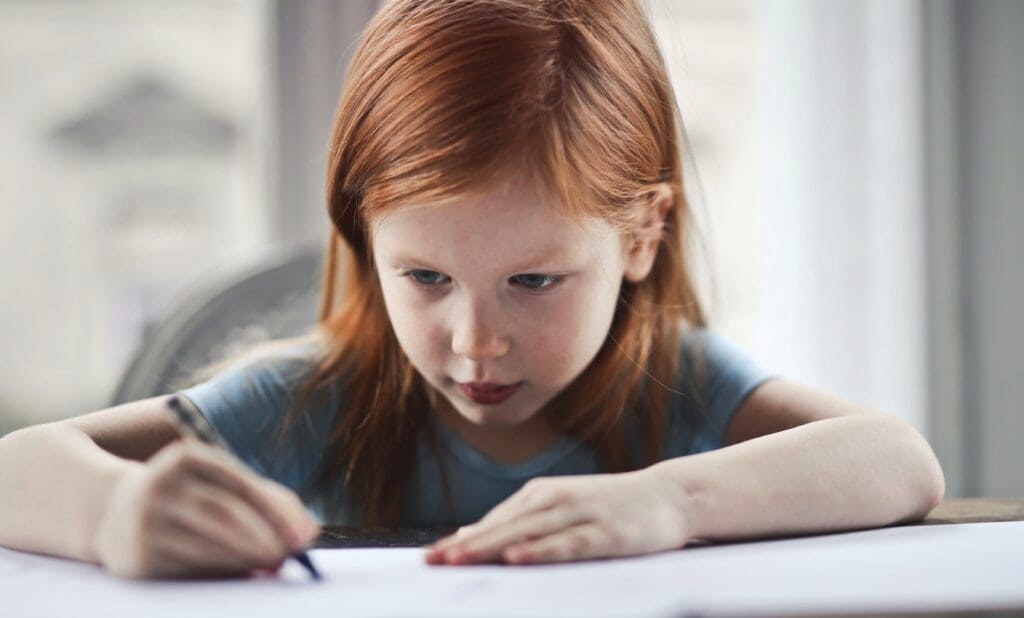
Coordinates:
column 489, row 393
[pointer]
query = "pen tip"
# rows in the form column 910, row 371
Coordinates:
column 304, row 560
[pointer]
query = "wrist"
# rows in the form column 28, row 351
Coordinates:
column 685, row 495
column 110, row 483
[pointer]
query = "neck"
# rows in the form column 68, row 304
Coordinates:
column 504, row 445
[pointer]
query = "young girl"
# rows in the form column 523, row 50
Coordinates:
column 509, row 340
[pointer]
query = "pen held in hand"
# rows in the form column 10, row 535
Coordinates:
column 191, row 422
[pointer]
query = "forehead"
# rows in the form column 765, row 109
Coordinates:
column 501, row 225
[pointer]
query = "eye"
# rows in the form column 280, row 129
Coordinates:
column 537, row 282
column 426, row 278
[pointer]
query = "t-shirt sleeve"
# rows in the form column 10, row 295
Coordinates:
column 246, row 404
column 716, row 376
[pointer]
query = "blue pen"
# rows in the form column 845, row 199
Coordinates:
column 191, row 422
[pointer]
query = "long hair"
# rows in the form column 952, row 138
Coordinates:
column 441, row 98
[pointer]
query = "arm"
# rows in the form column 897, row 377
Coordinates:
column 796, row 460
column 76, row 489
column 831, row 474
column 56, row 480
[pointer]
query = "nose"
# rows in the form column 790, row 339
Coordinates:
column 478, row 334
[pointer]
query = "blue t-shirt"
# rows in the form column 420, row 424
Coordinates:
column 247, row 402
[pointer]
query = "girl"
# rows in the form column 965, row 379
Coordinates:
column 515, row 344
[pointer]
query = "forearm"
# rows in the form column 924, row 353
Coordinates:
column 54, row 484
column 839, row 473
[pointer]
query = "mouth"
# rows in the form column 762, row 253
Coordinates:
column 489, row 394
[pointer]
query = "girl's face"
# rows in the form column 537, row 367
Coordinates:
column 498, row 289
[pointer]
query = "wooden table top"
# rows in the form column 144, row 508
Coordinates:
column 972, row 510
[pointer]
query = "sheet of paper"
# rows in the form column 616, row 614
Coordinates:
column 914, row 568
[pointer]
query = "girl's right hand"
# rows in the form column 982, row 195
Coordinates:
column 192, row 510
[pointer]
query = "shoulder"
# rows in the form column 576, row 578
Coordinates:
column 712, row 364
column 284, row 356
column 740, row 399
column 783, row 404
column 248, row 401
column 715, row 377
column 273, row 369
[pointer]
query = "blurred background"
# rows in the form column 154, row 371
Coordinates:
column 856, row 167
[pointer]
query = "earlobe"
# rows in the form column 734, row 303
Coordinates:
column 640, row 260
column 643, row 245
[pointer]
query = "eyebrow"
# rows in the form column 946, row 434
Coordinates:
column 526, row 266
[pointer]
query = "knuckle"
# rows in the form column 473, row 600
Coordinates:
column 614, row 537
column 561, row 493
column 554, row 553
column 166, row 456
column 178, row 463
column 284, row 507
column 185, row 447
column 534, row 485
column 195, row 456
column 299, row 507
column 210, row 506
column 288, row 498
column 580, row 543
column 192, row 455
column 226, row 512
column 164, row 481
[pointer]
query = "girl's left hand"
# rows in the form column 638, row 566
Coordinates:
column 563, row 518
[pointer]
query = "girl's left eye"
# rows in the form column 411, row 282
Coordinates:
column 430, row 279
column 537, row 282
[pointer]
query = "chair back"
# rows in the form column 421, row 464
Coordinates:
column 276, row 297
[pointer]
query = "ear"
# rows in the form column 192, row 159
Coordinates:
column 641, row 247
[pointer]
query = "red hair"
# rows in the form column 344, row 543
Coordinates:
column 441, row 98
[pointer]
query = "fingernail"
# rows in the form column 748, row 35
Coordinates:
column 268, row 571
column 434, row 558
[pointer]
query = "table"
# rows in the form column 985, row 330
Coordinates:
column 969, row 510
column 908, row 568
column 949, row 511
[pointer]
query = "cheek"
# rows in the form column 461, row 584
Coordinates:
column 411, row 321
column 570, row 335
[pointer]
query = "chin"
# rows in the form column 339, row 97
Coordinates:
column 495, row 417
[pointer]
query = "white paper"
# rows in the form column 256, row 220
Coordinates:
column 912, row 568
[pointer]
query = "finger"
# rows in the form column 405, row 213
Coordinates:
column 288, row 518
column 224, row 519
column 181, row 553
column 487, row 525
column 306, row 527
column 528, row 499
column 520, row 504
column 580, row 542
column 488, row 545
